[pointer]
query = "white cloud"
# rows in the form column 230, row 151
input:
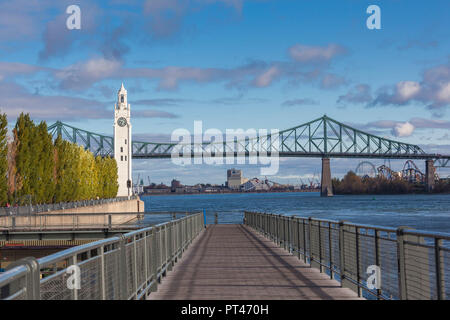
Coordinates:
column 84, row 74
column 444, row 93
column 403, row 129
column 407, row 90
column 433, row 90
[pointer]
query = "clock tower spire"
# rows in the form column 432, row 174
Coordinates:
column 122, row 143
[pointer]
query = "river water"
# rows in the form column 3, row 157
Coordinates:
column 422, row 212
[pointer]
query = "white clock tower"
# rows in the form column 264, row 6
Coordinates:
column 122, row 143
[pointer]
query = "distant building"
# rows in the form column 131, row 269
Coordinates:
column 254, row 185
column 235, row 179
column 187, row 189
column 156, row 188
column 175, row 184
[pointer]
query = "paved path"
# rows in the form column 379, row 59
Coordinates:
column 233, row 262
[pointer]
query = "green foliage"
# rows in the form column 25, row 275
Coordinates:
column 45, row 181
column 45, row 171
column 3, row 159
column 81, row 176
column 25, row 165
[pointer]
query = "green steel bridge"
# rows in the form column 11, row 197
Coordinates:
column 321, row 138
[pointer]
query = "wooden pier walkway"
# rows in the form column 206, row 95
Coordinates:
column 233, row 262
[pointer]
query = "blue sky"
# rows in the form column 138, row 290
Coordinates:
column 231, row 64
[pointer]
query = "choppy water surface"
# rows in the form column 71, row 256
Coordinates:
column 425, row 212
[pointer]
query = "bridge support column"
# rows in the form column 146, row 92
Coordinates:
column 325, row 185
column 429, row 175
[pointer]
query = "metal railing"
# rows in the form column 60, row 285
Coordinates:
column 70, row 221
column 411, row 264
column 128, row 266
column 19, row 210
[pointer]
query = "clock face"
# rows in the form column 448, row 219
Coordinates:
column 122, row 122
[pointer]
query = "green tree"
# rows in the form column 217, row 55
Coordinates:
column 3, row 159
column 23, row 133
column 56, row 171
column 44, row 164
column 111, row 176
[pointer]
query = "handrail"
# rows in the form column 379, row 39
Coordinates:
column 376, row 262
column 79, row 221
column 126, row 266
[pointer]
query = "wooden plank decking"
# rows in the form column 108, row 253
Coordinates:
column 233, row 262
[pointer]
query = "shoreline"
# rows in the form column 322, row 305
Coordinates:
column 231, row 192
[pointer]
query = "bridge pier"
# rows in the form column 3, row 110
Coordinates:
column 325, row 185
column 429, row 175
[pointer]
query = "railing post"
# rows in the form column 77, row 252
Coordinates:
column 298, row 237
column 32, row 281
column 73, row 262
column 146, row 256
column 123, row 282
column 135, row 267
column 330, row 250
column 304, row 240
column 102, row 273
column 276, row 229
column 357, row 261
column 440, row 288
column 401, row 264
column 154, row 262
column 320, row 246
column 288, row 234
column 341, row 252
column 377, row 258
column 310, row 242
column 171, row 245
column 292, row 234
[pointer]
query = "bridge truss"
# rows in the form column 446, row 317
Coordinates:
column 322, row 137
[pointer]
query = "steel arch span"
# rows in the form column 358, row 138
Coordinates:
column 322, row 138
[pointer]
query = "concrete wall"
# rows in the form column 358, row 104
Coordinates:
column 122, row 206
column 97, row 216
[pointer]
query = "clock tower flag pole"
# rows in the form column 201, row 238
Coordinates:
column 122, row 143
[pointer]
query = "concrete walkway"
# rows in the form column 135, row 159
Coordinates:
column 233, row 262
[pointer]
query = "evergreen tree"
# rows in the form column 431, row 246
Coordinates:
column 43, row 183
column 109, row 177
column 3, row 160
column 54, row 172
column 63, row 162
column 23, row 132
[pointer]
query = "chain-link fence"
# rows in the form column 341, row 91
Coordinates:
column 128, row 266
column 376, row 262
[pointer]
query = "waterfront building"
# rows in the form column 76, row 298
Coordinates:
column 254, row 185
column 235, row 179
column 122, row 143
column 175, row 184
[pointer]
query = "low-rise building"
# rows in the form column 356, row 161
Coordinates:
column 235, row 179
column 254, row 185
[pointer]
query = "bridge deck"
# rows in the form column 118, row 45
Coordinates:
column 234, row 262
